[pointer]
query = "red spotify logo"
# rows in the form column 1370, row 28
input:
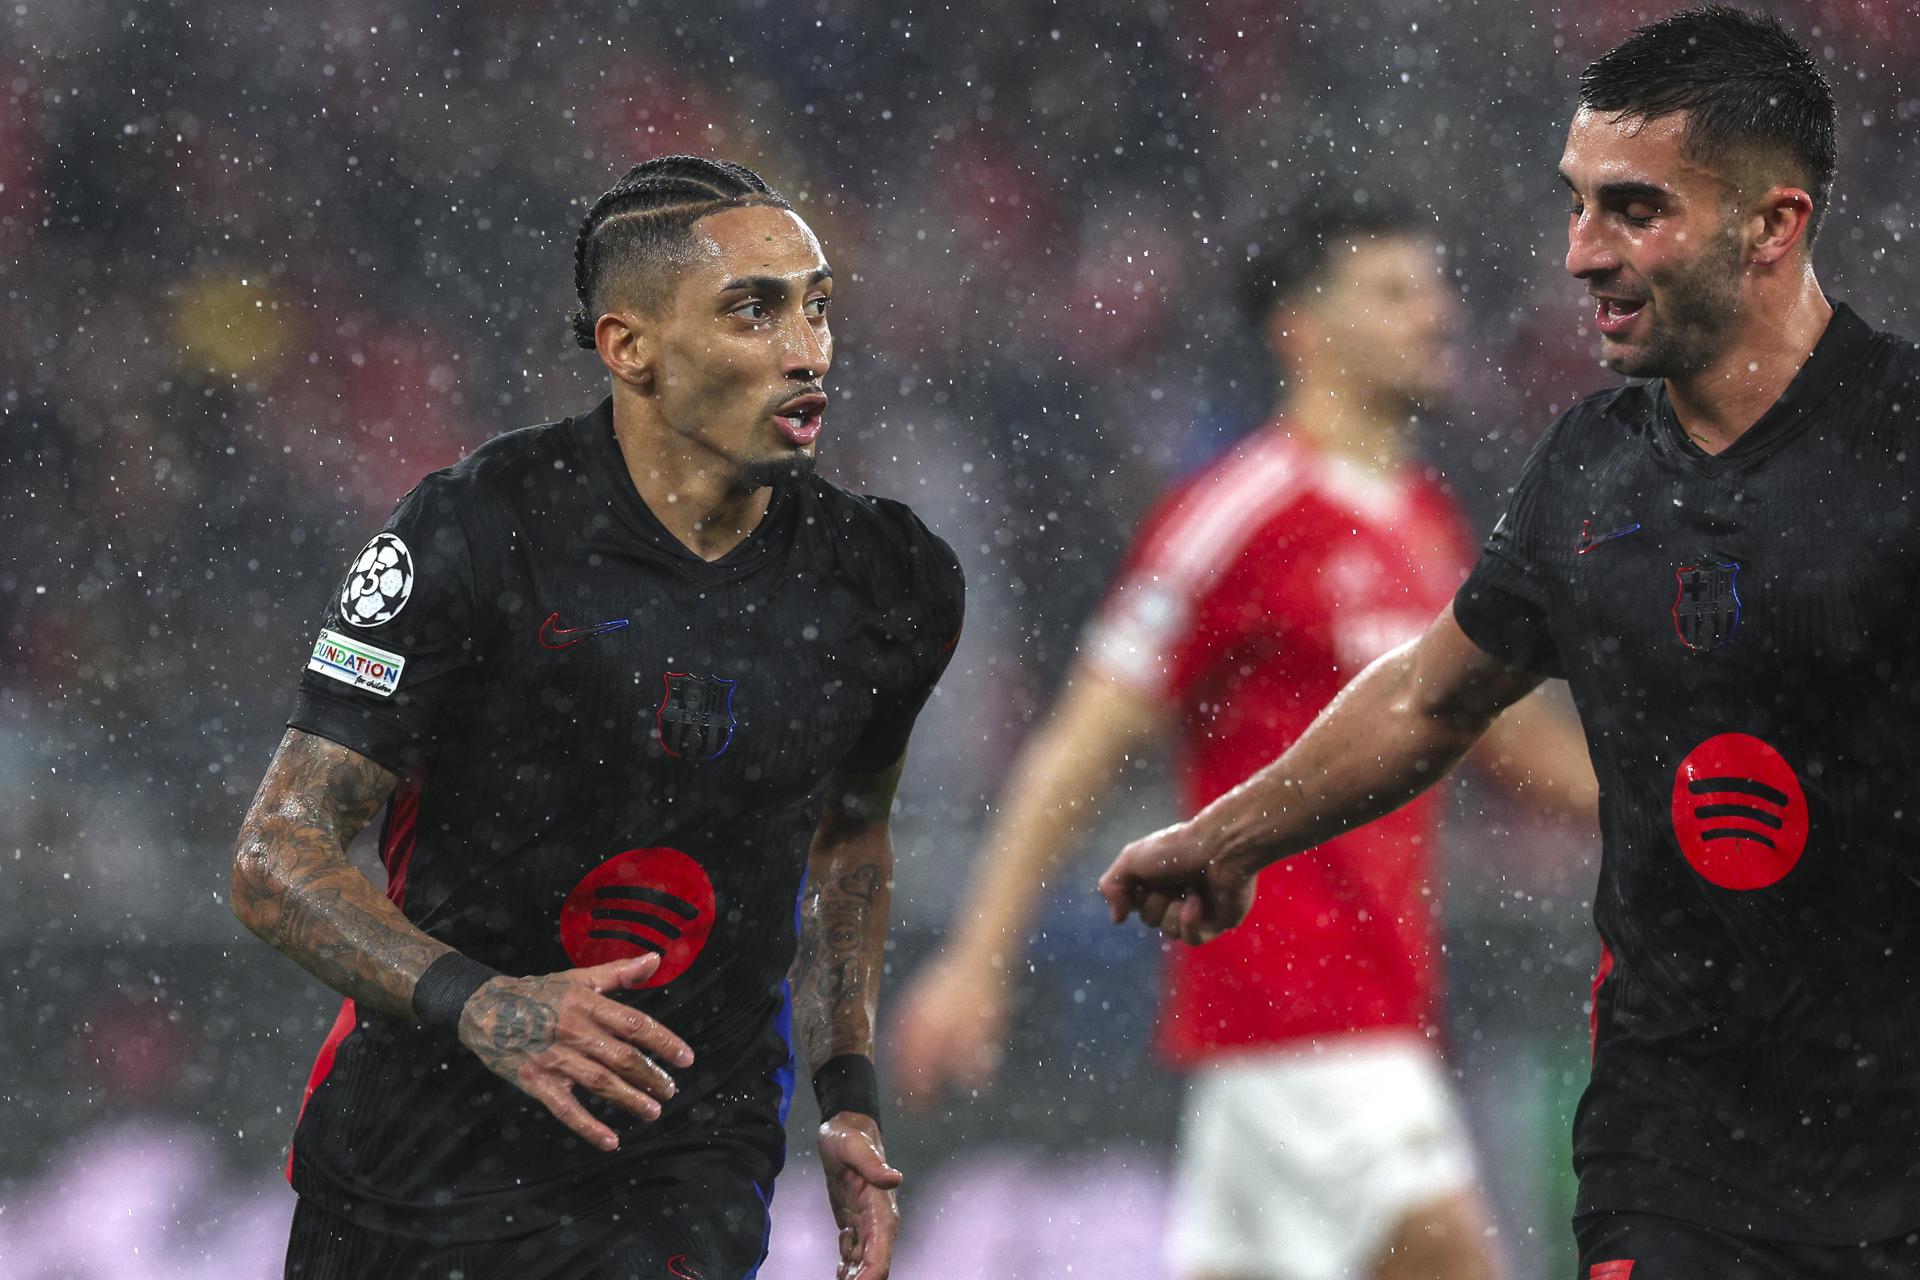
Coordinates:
column 1739, row 812
column 639, row 901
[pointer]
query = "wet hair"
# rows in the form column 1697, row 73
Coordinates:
column 645, row 224
column 1289, row 252
column 1748, row 88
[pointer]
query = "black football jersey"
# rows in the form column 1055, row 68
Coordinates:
column 1738, row 633
column 608, row 747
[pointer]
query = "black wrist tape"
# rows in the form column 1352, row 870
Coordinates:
column 445, row 988
column 847, row 1082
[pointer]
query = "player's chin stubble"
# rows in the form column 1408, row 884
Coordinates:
column 1697, row 317
column 762, row 472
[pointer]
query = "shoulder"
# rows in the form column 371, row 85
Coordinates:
column 1597, row 423
column 477, row 498
column 506, row 462
column 1895, row 363
column 885, row 537
column 1218, row 512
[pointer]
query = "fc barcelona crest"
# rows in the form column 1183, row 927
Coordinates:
column 1706, row 610
column 695, row 719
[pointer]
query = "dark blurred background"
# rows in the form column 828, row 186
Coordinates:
column 265, row 265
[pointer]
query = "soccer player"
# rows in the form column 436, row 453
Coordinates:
column 635, row 688
column 1720, row 556
column 1321, row 1138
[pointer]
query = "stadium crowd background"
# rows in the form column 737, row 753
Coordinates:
column 264, row 266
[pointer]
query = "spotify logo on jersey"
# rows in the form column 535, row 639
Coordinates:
column 1738, row 812
column 640, row 901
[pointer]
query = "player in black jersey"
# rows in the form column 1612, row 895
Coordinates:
column 1723, row 560
column 635, row 689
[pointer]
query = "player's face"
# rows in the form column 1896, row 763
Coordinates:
column 744, row 346
column 1384, row 317
column 1654, row 235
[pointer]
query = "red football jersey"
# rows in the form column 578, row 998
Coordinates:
column 1253, row 593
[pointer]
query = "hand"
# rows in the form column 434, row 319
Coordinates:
column 951, row 1030
column 860, row 1185
column 1180, row 883
column 549, row 1033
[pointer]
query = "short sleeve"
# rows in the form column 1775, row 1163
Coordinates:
column 1160, row 628
column 1503, row 606
column 396, row 646
column 927, row 616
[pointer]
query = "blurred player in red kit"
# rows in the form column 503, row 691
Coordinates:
column 1321, row 1139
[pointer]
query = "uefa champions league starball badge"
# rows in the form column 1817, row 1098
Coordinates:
column 379, row 583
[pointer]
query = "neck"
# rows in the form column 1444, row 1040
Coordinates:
column 1340, row 418
column 695, row 492
column 1717, row 405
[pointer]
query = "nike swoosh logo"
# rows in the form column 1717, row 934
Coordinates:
column 1589, row 539
column 555, row 636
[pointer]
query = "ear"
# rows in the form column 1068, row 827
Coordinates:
column 1779, row 225
column 625, row 342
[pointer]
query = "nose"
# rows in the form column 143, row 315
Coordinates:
column 1589, row 252
column 808, row 350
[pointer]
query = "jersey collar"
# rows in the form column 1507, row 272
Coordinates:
column 1838, row 353
column 600, row 449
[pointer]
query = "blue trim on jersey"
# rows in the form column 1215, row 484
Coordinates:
column 783, row 1076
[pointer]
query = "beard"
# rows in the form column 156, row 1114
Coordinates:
column 762, row 472
column 1698, row 316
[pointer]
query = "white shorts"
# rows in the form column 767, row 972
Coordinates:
column 1298, row 1163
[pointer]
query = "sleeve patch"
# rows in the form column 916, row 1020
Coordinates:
column 356, row 663
column 1135, row 637
column 379, row 583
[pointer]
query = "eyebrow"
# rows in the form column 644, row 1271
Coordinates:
column 772, row 286
column 1620, row 191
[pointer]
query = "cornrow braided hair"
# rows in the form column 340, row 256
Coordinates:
column 647, row 218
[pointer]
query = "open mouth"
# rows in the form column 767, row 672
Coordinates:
column 1614, row 316
column 799, row 419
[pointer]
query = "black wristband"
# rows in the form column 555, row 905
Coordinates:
column 445, row 988
column 847, row 1082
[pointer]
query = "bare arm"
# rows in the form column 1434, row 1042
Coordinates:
column 1389, row 735
column 951, row 1027
column 843, row 919
column 1054, row 791
column 1539, row 751
column 836, row 997
column 294, row 887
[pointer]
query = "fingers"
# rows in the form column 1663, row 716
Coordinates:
column 1153, row 908
column 879, row 1227
column 849, row 1255
column 555, row 1092
column 1120, row 891
column 636, row 1069
column 864, row 1159
column 946, row 1039
column 638, row 1029
column 617, row 975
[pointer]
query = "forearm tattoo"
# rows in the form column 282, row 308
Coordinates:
column 294, row 887
column 836, row 976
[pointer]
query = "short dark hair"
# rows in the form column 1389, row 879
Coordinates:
column 645, row 222
column 1745, row 83
column 1289, row 251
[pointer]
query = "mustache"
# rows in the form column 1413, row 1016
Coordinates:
column 794, row 393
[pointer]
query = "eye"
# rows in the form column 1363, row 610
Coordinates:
column 752, row 309
column 1640, row 213
column 817, row 307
